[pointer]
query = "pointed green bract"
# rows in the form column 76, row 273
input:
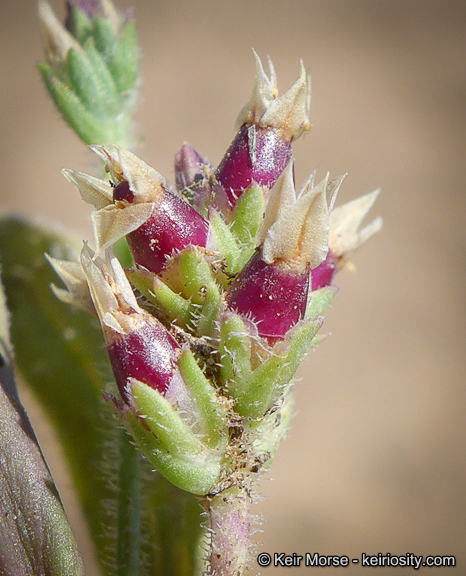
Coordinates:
column 246, row 221
column 60, row 354
column 162, row 419
column 212, row 416
column 188, row 274
column 234, row 351
column 106, row 97
column 225, row 243
column 196, row 473
column 81, row 24
column 104, row 37
column 256, row 394
column 86, row 126
column 320, row 301
column 124, row 61
column 205, row 321
column 94, row 84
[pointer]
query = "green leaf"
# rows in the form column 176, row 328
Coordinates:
column 35, row 537
column 60, row 354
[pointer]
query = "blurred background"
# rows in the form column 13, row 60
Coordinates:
column 375, row 461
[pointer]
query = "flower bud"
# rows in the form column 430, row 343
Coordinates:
column 267, row 125
column 346, row 236
column 189, row 167
column 194, row 178
column 92, row 68
column 140, row 206
column 138, row 345
column 273, row 286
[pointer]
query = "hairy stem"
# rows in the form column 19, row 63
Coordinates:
column 129, row 513
column 230, row 530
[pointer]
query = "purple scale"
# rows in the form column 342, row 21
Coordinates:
column 273, row 295
column 174, row 225
column 148, row 354
column 323, row 274
column 271, row 155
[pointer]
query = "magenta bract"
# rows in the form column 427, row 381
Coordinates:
column 323, row 274
column 147, row 354
column 273, row 295
column 256, row 155
column 188, row 166
column 173, row 226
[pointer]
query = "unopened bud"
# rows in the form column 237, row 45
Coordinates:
column 267, row 125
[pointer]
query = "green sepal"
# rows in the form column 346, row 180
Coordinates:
column 205, row 321
column 105, row 37
column 188, row 274
column 256, row 394
column 81, row 26
column 86, row 126
column 86, row 84
column 163, row 421
column 268, row 433
column 196, row 472
column 213, row 422
column 234, row 350
column 124, row 61
column 178, row 308
column 225, row 242
column 106, row 97
column 319, row 301
column 246, row 221
column 172, row 306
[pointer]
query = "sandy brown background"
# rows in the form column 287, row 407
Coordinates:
column 375, row 461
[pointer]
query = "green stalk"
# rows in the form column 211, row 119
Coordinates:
column 129, row 508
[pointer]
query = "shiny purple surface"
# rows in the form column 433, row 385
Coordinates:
column 123, row 193
column 173, row 226
column 274, row 296
column 188, row 166
column 323, row 274
column 237, row 170
column 148, row 354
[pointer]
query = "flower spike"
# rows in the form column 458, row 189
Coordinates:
column 273, row 286
column 139, row 205
column 267, row 125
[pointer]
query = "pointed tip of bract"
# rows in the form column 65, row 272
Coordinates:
column 290, row 112
column 56, row 39
column 93, row 190
column 281, row 199
column 264, row 91
column 108, row 286
column 346, row 234
column 72, row 275
column 144, row 181
column 299, row 234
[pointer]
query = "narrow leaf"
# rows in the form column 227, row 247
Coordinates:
column 35, row 537
column 60, row 354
